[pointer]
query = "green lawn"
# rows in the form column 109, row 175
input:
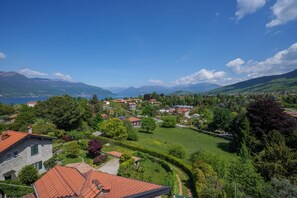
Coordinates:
column 191, row 140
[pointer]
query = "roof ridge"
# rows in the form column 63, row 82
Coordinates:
column 67, row 179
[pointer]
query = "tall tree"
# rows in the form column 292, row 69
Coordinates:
column 63, row 111
column 148, row 124
column 266, row 115
column 114, row 128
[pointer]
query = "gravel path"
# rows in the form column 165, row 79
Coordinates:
column 111, row 167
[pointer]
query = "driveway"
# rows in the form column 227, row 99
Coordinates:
column 111, row 167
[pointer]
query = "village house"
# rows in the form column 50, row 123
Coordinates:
column 105, row 105
column 31, row 103
column 134, row 121
column 132, row 105
column 84, row 181
column 182, row 108
column 18, row 149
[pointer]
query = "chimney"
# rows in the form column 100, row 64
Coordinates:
column 30, row 129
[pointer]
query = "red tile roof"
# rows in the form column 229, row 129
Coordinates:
column 132, row 119
column 60, row 182
column 9, row 138
column 118, row 154
column 66, row 181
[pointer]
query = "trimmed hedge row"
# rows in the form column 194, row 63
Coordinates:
column 164, row 165
column 173, row 160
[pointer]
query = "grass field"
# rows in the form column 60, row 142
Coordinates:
column 192, row 141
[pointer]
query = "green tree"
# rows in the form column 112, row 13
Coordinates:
column 63, row 111
column 114, row 128
column 72, row 149
column 222, row 118
column 207, row 182
column 149, row 110
column 148, row 124
column 243, row 176
column 6, row 109
column 132, row 135
column 277, row 159
column 28, row 174
column 25, row 118
column 240, row 130
column 43, row 127
column 169, row 121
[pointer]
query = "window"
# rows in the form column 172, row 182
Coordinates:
column 34, row 149
column 8, row 177
column 15, row 154
column 38, row 165
column 8, row 156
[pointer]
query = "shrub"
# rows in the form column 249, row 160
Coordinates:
column 169, row 121
column 100, row 159
column 84, row 143
column 28, row 174
column 67, row 138
column 125, row 157
column 72, row 149
column 16, row 189
column 50, row 163
column 132, row 135
column 177, row 151
column 94, row 147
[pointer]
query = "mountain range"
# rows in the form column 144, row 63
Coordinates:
column 13, row 84
column 266, row 84
column 193, row 88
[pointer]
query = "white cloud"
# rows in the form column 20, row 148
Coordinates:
column 235, row 64
column 202, row 75
column 283, row 11
column 2, row 55
column 248, row 7
column 31, row 73
column 158, row 82
column 282, row 62
column 61, row 76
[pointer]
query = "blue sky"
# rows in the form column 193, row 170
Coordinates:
column 137, row 42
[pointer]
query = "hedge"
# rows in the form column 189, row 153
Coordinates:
column 164, row 165
column 168, row 158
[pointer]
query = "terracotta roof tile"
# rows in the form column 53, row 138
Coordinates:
column 120, row 186
column 60, row 181
column 12, row 138
column 67, row 181
column 134, row 119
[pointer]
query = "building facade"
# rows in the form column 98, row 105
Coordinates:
column 18, row 149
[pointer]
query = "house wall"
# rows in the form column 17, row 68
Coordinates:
column 45, row 151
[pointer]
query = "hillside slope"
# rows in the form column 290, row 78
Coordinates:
column 275, row 83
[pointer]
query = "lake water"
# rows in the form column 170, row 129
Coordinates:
column 20, row 100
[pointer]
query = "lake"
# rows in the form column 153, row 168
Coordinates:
column 20, row 100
